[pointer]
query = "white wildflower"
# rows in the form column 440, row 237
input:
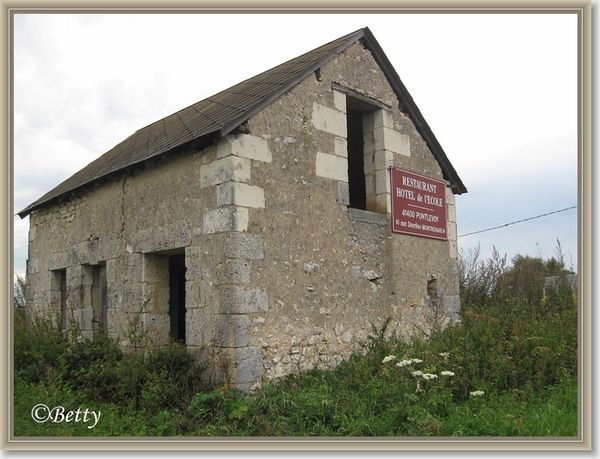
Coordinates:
column 477, row 393
column 417, row 373
column 419, row 388
column 389, row 358
column 447, row 373
column 428, row 376
column 404, row 363
column 445, row 354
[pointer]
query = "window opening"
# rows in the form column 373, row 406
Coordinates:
column 356, row 160
column 177, row 307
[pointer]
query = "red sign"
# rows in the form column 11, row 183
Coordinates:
column 418, row 205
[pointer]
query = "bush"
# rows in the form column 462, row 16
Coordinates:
column 509, row 368
column 37, row 348
column 163, row 379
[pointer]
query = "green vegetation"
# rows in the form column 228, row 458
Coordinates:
column 509, row 369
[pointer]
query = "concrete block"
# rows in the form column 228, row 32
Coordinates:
column 389, row 139
column 341, row 147
column 96, row 251
column 193, row 262
column 237, row 300
column 368, row 123
column 368, row 143
column 451, row 213
column 369, row 164
column 451, row 304
column 247, row 365
column 225, row 219
column 58, row 260
column 383, row 203
column 383, row 160
column 339, row 101
column 331, row 166
column 54, row 281
column 453, row 249
column 382, row 182
column 368, row 217
column 233, row 272
column 383, row 119
column 244, row 245
column 112, row 271
column 156, row 239
column 451, row 230
column 232, row 330
column 87, row 275
column 245, row 146
column 343, row 193
column 33, row 266
column 32, row 233
column 156, row 269
column 450, row 205
column 240, row 194
column 329, row 120
column 197, row 329
column 131, row 267
column 157, row 328
column 370, row 185
column 84, row 318
column 230, row 168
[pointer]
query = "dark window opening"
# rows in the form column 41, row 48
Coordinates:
column 356, row 160
column 177, row 297
column 61, row 276
column 99, row 299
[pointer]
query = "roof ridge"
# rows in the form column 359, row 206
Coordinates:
column 220, row 113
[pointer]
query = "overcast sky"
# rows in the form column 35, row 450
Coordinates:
column 499, row 91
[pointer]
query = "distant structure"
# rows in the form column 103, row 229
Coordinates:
column 268, row 227
column 553, row 282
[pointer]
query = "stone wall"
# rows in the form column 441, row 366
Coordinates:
column 281, row 275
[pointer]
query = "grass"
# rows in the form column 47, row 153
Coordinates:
column 509, row 369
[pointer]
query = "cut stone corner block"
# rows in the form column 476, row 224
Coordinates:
column 224, row 219
column 247, row 368
column 245, row 146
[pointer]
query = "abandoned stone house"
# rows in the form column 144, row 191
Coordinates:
column 268, row 227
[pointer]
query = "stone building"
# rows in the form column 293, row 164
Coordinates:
column 268, row 227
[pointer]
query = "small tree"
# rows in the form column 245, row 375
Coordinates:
column 527, row 276
column 19, row 293
column 478, row 278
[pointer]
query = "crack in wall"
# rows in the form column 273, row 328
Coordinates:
column 128, row 247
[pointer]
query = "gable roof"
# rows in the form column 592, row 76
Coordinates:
column 218, row 115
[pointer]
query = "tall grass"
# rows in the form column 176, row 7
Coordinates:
column 508, row 369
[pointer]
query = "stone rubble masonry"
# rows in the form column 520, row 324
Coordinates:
column 281, row 275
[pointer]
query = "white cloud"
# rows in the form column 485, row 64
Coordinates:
column 498, row 91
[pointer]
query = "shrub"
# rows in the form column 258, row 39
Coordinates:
column 37, row 348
